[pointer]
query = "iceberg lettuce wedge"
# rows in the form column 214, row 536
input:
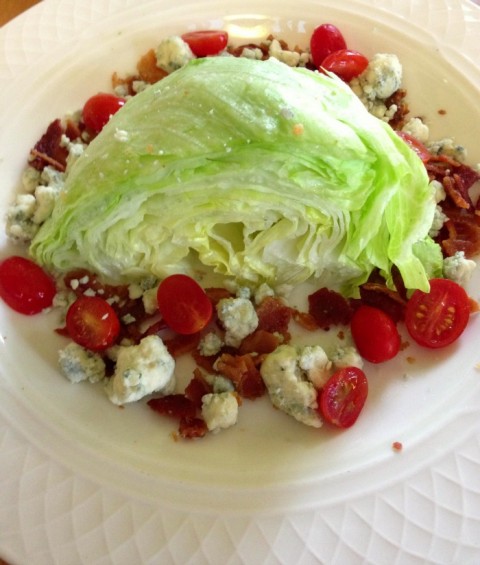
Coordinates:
column 257, row 170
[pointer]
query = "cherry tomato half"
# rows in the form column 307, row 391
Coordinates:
column 375, row 334
column 99, row 109
column 183, row 304
column 326, row 39
column 207, row 42
column 437, row 318
column 25, row 286
column 416, row 145
column 342, row 398
column 92, row 323
column 346, row 64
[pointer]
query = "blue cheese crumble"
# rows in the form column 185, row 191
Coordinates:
column 238, row 317
column 79, row 364
column 458, row 268
column 141, row 370
column 381, row 78
column 288, row 385
column 219, row 410
column 173, row 53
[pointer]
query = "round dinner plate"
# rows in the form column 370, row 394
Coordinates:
column 85, row 482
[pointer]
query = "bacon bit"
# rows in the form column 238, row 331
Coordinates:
column 411, row 360
column 260, row 341
column 305, row 320
column 126, row 83
column 62, row 331
column 404, row 345
column 329, row 308
column 173, row 405
column 397, row 446
column 341, row 335
column 474, row 306
column 216, row 294
column 398, row 99
column 237, row 51
column 82, row 280
column 461, row 232
column 456, row 178
column 298, row 129
column 148, row 70
column 182, row 344
column 48, row 149
column 274, row 316
column 192, row 428
column 40, row 160
column 242, row 371
column 204, row 362
column 382, row 297
column 197, row 388
column 454, row 187
column 442, row 112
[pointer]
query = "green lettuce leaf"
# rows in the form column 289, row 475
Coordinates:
column 257, row 170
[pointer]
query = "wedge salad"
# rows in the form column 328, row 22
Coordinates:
column 178, row 213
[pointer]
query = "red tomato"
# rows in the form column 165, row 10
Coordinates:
column 375, row 334
column 326, row 39
column 25, row 286
column 342, row 398
column 92, row 323
column 183, row 304
column 437, row 318
column 346, row 64
column 207, row 42
column 416, row 145
column 99, row 109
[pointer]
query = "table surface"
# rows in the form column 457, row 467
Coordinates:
column 11, row 8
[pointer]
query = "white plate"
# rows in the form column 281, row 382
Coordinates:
column 85, row 482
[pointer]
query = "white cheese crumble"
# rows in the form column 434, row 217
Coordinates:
column 288, row 386
column 219, row 410
column 238, row 318
column 79, row 364
column 417, row 129
column 314, row 362
column 346, row 357
column 173, row 53
column 210, row 344
column 33, row 208
column 448, row 147
column 141, row 370
column 458, row 268
column 381, row 78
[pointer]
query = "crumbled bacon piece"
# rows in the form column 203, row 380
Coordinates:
column 461, row 232
column 380, row 296
column 260, row 341
column 329, row 308
column 305, row 320
column 197, row 388
column 274, row 316
column 217, row 293
column 243, row 372
column 456, row 178
column 191, row 428
column 181, row 344
column 48, row 149
column 148, row 70
column 173, row 405
column 398, row 99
